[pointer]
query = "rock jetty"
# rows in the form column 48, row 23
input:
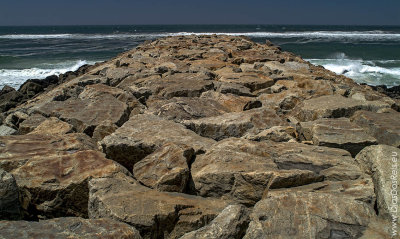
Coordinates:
column 199, row 137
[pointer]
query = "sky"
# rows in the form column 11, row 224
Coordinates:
column 138, row 12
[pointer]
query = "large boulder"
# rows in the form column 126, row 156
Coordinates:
column 155, row 214
column 10, row 206
column 142, row 134
column 86, row 114
column 235, row 124
column 336, row 133
column 52, row 171
column 244, row 170
column 231, row 223
column 53, row 125
column 382, row 163
column 66, row 228
column 334, row 106
column 252, row 81
column 308, row 215
column 167, row 169
column 384, row 127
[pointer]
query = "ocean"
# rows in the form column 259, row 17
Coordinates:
column 367, row 54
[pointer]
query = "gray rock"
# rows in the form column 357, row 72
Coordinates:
column 10, row 207
column 382, row 163
column 5, row 130
column 308, row 215
column 231, row 223
column 66, row 228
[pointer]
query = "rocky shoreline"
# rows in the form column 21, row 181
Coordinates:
column 199, row 137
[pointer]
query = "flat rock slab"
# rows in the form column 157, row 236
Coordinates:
column 142, row 134
column 308, row 215
column 185, row 108
column 336, row 133
column 382, row 163
column 86, row 114
column 53, row 125
column 66, row 228
column 385, row 127
column 250, row 80
column 334, row 106
column 235, row 124
column 52, row 172
column 244, row 170
column 155, row 214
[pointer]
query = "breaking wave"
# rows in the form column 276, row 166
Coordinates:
column 15, row 77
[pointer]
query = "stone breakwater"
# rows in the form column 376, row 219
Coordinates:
column 199, row 137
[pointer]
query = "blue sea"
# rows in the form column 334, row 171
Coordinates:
column 367, row 54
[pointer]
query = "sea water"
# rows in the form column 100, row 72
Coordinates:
column 367, row 54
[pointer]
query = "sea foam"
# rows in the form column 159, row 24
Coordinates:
column 16, row 77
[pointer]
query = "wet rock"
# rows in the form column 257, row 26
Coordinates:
column 336, row 133
column 167, row 169
column 155, row 214
column 10, row 206
column 142, row 134
column 68, row 227
column 381, row 162
column 9, row 98
column 53, row 170
column 234, row 124
column 230, row 223
column 335, row 106
column 383, row 126
column 243, row 170
column 308, row 215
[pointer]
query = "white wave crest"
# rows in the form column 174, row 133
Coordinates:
column 362, row 71
column 15, row 78
column 338, row 35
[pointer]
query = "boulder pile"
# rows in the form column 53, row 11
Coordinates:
column 199, row 137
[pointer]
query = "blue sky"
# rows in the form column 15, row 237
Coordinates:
column 99, row 12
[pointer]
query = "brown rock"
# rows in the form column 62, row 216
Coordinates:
column 68, row 227
column 53, row 171
column 382, row 163
column 10, row 206
column 250, row 80
column 143, row 134
column 167, row 169
column 335, row 106
column 243, row 170
column 308, row 215
column 336, row 133
column 86, row 115
column 155, row 214
column 53, row 125
column 31, row 123
column 384, row 127
column 234, row 124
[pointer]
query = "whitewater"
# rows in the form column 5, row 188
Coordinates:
column 367, row 54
